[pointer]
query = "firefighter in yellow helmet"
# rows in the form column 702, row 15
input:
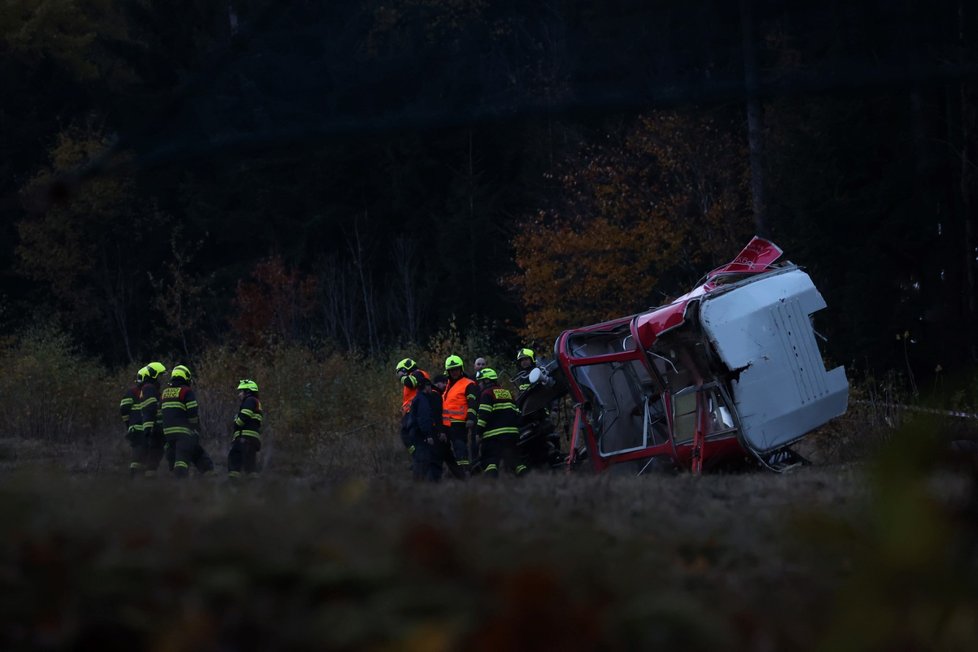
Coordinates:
column 246, row 438
column 181, row 425
column 149, row 398
column 130, row 408
column 411, row 377
column 544, row 447
column 443, row 447
column 498, row 427
column 459, row 403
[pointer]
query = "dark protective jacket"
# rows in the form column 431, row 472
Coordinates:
column 460, row 400
column 522, row 380
column 498, row 414
column 421, row 417
column 150, row 407
column 178, row 406
column 249, row 419
column 434, row 398
column 129, row 408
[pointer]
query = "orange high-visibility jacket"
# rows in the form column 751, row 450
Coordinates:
column 459, row 401
column 410, row 392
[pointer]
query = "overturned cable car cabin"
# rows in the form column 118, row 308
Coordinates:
column 729, row 370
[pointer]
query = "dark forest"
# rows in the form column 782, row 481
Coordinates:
column 362, row 173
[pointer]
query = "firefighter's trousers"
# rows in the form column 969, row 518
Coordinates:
column 458, row 438
column 154, row 451
column 184, row 450
column 428, row 460
column 137, row 455
column 243, row 456
column 498, row 450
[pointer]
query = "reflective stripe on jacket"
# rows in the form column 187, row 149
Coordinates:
column 129, row 406
column 459, row 401
column 178, row 407
column 498, row 414
column 249, row 419
column 149, row 407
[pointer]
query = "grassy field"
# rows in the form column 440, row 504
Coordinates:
column 335, row 548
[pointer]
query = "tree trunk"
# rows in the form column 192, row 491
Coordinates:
column 755, row 125
column 406, row 266
column 967, row 171
column 359, row 260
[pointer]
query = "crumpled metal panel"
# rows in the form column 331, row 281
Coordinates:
column 763, row 329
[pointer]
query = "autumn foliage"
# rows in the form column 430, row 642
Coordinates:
column 640, row 217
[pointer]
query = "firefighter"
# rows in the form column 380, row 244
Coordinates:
column 410, row 376
column 526, row 360
column 199, row 456
column 442, row 445
column 498, row 426
column 459, row 403
column 178, row 406
column 152, row 419
column 543, row 448
column 130, row 409
column 246, row 439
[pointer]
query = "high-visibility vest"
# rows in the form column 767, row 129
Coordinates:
column 410, row 392
column 455, row 406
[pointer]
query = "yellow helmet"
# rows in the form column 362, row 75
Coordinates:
column 406, row 365
column 141, row 375
column 453, row 362
column 180, row 371
column 526, row 353
column 248, row 384
column 487, row 374
column 154, row 369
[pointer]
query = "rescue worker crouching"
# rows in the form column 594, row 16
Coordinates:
column 459, row 403
column 152, row 424
column 498, row 429
column 130, row 408
column 246, row 438
column 410, row 376
column 178, row 405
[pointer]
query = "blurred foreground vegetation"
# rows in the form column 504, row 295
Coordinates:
column 828, row 557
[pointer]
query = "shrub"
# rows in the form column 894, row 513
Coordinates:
column 51, row 391
column 308, row 394
column 475, row 342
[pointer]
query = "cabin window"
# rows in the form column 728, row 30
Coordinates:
column 683, row 369
column 587, row 345
column 619, row 396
